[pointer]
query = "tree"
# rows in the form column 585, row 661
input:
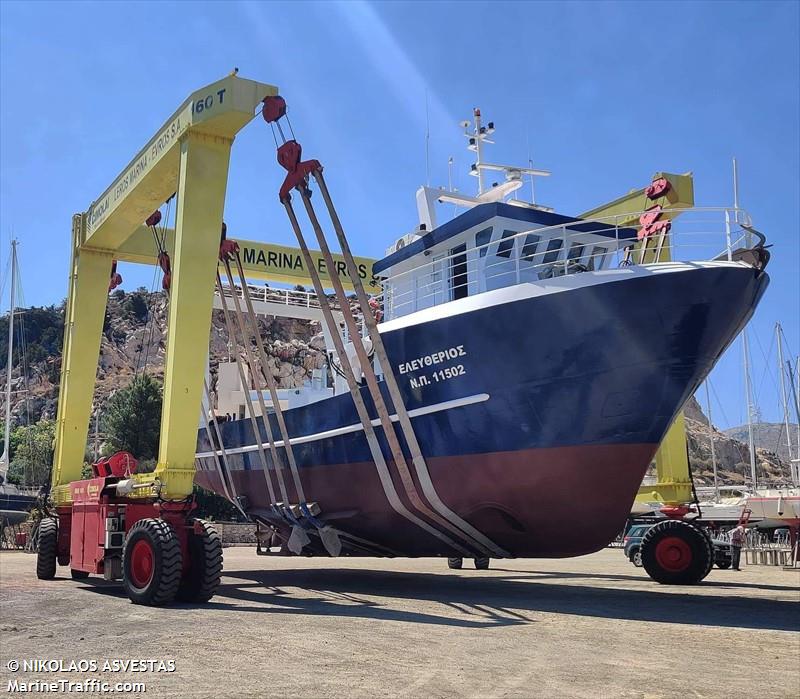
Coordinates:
column 32, row 449
column 214, row 507
column 132, row 418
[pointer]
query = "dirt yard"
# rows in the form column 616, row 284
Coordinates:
column 586, row 627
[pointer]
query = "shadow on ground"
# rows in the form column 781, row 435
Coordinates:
column 484, row 602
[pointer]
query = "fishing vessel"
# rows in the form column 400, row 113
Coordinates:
column 540, row 357
column 15, row 502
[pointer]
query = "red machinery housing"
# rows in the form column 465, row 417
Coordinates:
column 157, row 548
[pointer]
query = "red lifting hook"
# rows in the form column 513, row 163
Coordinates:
column 290, row 152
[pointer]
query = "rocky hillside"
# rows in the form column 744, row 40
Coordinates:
column 732, row 454
column 134, row 336
column 768, row 435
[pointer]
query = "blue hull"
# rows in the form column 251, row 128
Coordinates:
column 567, row 397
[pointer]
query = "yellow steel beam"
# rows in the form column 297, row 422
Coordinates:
column 221, row 109
column 83, row 328
column 674, row 484
column 189, row 154
column 263, row 261
column 203, row 179
column 626, row 209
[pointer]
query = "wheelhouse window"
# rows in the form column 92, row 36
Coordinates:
column 553, row 248
column 575, row 252
column 458, row 272
column 529, row 246
column 595, row 260
column 506, row 245
column 482, row 239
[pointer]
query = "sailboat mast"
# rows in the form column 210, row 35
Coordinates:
column 5, row 457
column 711, row 436
column 784, row 397
column 748, row 393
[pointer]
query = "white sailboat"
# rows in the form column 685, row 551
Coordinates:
column 15, row 502
column 780, row 507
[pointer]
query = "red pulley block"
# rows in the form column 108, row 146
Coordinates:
column 121, row 464
column 653, row 228
column 658, row 188
column 289, row 155
column 228, row 250
column 154, row 219
column 273, row 108
column 163, row 262
column 650, row 216
column 116, row 277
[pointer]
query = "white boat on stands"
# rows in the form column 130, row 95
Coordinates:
column 775, row 508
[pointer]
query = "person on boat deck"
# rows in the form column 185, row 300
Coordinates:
column 737, row 541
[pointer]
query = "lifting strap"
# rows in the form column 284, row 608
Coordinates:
column 246, row 334
column 393, row 389
column 289, row 156
column 363, row 415
column 224, row 473
column 330, row 536
column 249, row 403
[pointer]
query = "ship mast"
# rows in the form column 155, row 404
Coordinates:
column 748, row 396
column 784, row 396
column 476, row 144
column 4, row 459
column 711, row 435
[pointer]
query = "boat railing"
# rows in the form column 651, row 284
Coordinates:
column 287, row 297
column 538, row 254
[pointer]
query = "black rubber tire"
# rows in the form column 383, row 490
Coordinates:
column 694, row 540
column 724, row 565
column 455, row 563
column 636, row 558
column 167, row 563
column 711, row 558
column 481, row 563
column 205, row 567
column 48, row 549
column 79, row 574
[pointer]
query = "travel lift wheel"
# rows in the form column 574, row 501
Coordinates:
column 48, row 549
column 457, row 563
column 152, row 563
column 675, row 552
column 205, row 565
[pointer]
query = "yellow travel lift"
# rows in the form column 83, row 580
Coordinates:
column 140, row 526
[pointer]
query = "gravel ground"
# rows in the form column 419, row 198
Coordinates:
column 587, row 627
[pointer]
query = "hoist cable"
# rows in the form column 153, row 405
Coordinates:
column 251, row 364
column 248, row 401
column 369, row 431
column 268, row 377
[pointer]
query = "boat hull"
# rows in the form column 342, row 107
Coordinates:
column 14, row 505
column 538, row 409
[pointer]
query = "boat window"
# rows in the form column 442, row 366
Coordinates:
column 553, row 248
column 482, row 239
column 506, row 245
column 529, row 247
column 575, row 252
column 595, row 260
column 458, row 272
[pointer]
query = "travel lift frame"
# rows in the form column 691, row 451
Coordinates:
column 139, row 526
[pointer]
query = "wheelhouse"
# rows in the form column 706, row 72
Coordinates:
column 492, row 246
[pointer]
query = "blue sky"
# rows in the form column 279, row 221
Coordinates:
column 606, row 94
